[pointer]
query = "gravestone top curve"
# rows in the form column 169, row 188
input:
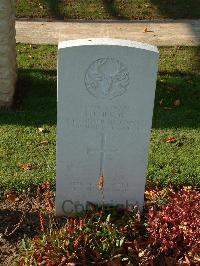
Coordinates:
column 107, row 41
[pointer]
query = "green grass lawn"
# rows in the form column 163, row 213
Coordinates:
column 109, row 9
column 27, row 161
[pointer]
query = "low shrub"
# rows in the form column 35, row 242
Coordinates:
column 174, row 228
column 168, row 233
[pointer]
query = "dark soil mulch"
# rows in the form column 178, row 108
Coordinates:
column 19, row 216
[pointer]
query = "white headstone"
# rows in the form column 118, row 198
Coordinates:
column 106, row 93
column 7, row 52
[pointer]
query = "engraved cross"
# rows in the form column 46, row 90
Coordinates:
column 102, row 151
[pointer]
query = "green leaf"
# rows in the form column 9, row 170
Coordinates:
column 108, row 218
column 121, row 241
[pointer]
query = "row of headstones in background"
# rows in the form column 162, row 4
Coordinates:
column 7, row 52
column 105, row 103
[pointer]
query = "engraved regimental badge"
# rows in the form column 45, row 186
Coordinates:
column 107, row 78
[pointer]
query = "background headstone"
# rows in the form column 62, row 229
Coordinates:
column 106, row 93
column 7, row 52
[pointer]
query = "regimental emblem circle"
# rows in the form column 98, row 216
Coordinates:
column 107, row 78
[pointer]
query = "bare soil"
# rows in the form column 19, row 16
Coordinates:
column 19, row 217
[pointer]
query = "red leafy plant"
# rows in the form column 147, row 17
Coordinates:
column 113, row 236
column 174, row 228
column 98, row 238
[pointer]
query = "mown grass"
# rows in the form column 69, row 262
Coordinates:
column 26, row 161
column 109, row 9
column 20, row 142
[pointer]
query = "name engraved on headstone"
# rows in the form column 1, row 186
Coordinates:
column 96, row 117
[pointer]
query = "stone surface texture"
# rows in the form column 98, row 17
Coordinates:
column 7, row 52
column 161, row 33
column 106, row 93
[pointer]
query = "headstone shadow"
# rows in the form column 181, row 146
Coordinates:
column 35, row 99
column 112, row 9
column 172, row 86
column 54, row 9
column 177, row 9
